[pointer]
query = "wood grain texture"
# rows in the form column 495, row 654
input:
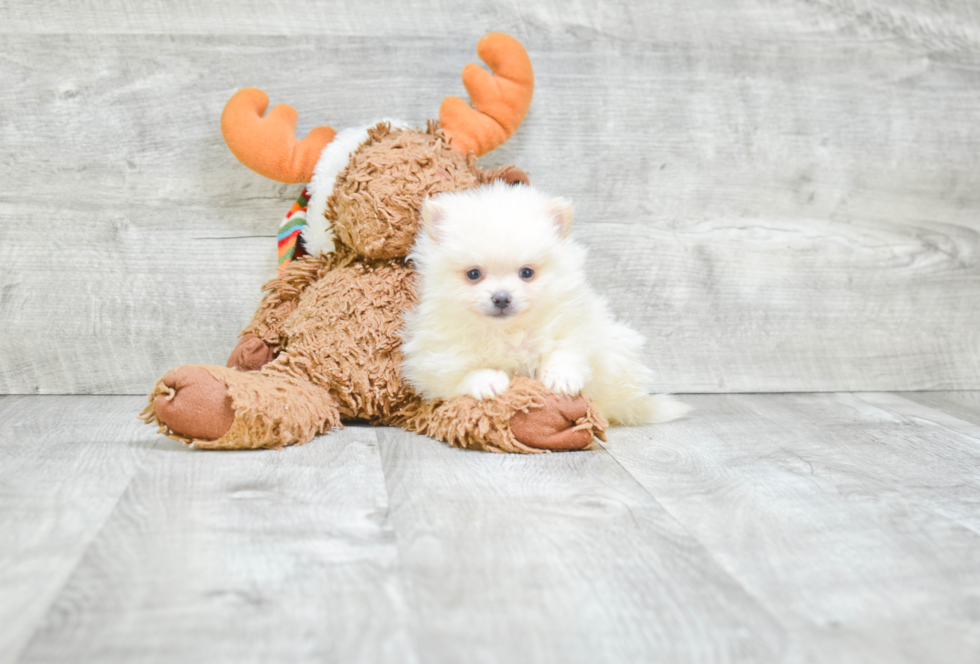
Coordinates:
column 780, row 195
column 64, row 463
column 107, row 322
column 948, row 25
column 559, row 558
column 850, row 518
column 217, row 557
column 762, row 528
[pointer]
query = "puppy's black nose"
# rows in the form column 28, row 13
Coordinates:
column 500, row 299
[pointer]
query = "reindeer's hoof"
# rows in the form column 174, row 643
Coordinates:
column 552, row 427
column 197, row 405
column 251, row 354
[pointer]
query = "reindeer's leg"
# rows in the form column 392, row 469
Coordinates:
column 526, row 418
column 216, row 407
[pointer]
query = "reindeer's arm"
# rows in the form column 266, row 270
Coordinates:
column 262, row 339
column 281, row 295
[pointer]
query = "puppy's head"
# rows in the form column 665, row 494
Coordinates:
column 498, row 251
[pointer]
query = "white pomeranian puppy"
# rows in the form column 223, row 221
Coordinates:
column 502, row 292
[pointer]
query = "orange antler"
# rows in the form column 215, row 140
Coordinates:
column 268, row 145
column 501, row 99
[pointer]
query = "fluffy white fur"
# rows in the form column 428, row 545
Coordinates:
column 547, row 324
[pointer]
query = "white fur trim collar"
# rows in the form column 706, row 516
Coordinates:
column 318, row 234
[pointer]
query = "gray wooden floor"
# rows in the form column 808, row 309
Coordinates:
column 763, row 528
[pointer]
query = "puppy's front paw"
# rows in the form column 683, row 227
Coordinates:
column 562, row 379
column 486, row 383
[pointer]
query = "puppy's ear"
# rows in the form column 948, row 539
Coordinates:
column 433, row 215
column 561, row 212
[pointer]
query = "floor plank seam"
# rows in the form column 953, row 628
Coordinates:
column 969, row 425
column 94, row 537
column 764, row 608
column 412, row 603
column 911, row 500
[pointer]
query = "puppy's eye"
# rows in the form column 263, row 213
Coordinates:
column 526, row 273
column 473, row 275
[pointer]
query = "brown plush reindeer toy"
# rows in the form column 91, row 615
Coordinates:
column 323, row 346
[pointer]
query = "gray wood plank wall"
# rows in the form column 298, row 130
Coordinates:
column 782, row 195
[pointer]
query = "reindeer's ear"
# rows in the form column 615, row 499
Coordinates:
column 512, row 175
column 433, row 215
column 561, row 212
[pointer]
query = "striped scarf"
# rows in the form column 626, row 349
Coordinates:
column 290, row 242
